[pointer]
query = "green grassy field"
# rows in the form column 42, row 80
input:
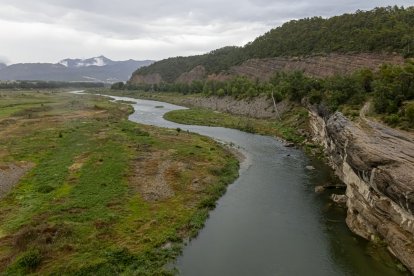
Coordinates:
column 89, row 205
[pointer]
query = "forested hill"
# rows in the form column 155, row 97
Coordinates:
column 389, row 29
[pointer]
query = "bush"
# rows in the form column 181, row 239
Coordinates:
column 409, row 115
column 30, row 260
column 392, row 120
column 118, row 86
column 315, row 97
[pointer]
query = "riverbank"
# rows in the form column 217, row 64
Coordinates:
column 102, row 194
column 290, row 124
column 210, row 117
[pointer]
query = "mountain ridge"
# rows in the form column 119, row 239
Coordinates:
column 97, row 69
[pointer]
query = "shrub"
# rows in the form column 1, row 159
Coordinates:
column 30, row 260
column 392, row 120
column 409, row 114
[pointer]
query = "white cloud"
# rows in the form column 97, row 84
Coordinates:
column 51, row 30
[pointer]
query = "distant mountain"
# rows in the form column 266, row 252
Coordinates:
column 100, row 69
column 96, row 61
column 2, row 65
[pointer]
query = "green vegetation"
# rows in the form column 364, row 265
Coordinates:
column 118, row 85
column 215, row 61
column 391, row 89
column 286, row 128
column 393, row 94
column 389, row 29
column 48, row 84
column 84, row 209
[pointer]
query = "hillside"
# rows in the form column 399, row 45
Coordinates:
column 98, row 69
column 379, row 31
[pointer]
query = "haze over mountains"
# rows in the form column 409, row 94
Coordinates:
column 96, row 69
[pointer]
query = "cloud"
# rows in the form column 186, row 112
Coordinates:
column 51, row 30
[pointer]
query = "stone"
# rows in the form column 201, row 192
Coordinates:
column 339, row 199
column 319, row 189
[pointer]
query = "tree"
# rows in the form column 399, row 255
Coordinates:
column 118, row 86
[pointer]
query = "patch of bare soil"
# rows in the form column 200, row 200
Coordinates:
column 150, row 177
column 10, row 175
column 78, row 163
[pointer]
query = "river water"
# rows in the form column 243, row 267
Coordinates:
column 270, row 221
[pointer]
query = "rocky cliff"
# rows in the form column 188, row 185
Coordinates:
column 197, row 73
column 258, row 107
column 377, row 165
column 146, row 79
column 263, row 69
column 316, row 66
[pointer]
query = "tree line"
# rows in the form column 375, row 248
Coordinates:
column 48, row 84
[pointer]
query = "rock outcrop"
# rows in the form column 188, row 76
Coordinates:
column 316, row 66
column 146, row 79
column 196, row 74
column 258, row 107
column 377, row 165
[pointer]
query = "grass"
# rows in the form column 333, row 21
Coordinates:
column 283, row 128
column 81, row 210
column 287, row 128
column 291, row 127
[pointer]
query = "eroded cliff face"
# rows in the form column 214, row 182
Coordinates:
column 263, row 69
column 146, row 79
column 196, row 74
column 259, row 107
column 377, row 165
column 315, row 66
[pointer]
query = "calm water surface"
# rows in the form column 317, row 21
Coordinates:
column 270, row 221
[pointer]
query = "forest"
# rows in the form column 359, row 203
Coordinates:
column 389, row 29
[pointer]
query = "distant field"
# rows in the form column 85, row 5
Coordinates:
column 101, row 195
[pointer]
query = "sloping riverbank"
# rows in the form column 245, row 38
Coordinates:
column 377, row 165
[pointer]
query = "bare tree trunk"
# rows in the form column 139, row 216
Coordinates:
column 274, row 103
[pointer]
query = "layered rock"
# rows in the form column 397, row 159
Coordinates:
column 197, row 73
column 377, row 165
column 258, row 107
column 316, row 66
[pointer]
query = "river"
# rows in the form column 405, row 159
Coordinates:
column 270, row 221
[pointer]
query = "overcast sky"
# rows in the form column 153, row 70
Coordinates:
column 51, row 30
